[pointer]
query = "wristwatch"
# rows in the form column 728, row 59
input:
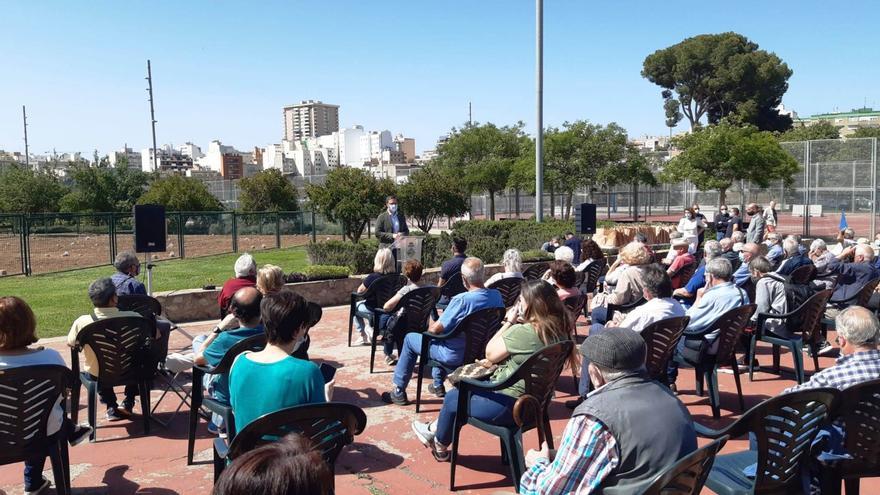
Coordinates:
column 216, row 330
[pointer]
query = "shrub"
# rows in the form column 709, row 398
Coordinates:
column 357, row 257
column 489, row 239
column 326, row 272
column 536, row 255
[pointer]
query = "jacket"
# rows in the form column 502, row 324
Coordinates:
column 385, row 229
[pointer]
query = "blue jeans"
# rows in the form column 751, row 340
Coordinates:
column 360, row 310
column 491, row 407
column 720, row 235
column 584, row 385
column 406, row 362
column 599, row 315
column 33, row 468
column 672, row 365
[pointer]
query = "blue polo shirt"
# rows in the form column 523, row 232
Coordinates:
column 461, row 306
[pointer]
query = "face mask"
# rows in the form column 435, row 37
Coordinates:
column 299, row 342
column 392, row 208
column 689, row 216
column 742, row 256
column 724, row 212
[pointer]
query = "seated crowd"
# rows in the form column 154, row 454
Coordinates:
column 626, row 427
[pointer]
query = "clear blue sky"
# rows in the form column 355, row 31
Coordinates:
column 223, row 70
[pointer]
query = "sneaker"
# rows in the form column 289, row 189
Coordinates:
column 214, row 429
column 826, row 348
column 79, row 435
column 440, row 455
column 572, row 404
column 439, row 391
column 390, row 360
column 127, row 409
column 673, row 389
column 395, row 396
column 43, row 488
column 114, row 414
column 362, row 340
column 423, row 433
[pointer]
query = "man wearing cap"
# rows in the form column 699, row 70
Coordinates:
column 682, row 259
column 626, row 432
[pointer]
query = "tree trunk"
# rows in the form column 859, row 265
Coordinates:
column 491, row 205
column 552, row 202
column 722, row 196
column 635, row 201
column 568, row 204
column 516, row 203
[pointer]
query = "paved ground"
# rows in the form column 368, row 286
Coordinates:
column 385, row 459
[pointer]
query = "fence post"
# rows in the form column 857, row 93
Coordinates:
column 277, row 230
column 180, row 233
column 111, row 232
column 25, row 245
column 234, row 232
column 314, row 233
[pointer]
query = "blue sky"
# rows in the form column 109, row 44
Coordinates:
column 223, row 70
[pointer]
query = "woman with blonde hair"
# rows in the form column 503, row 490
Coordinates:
column 270, row 278
column 629, row 284
column 383, row 264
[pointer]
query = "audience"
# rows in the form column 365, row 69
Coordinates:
column 537, row 320
column 449, row 352
column 102, row 293
column 791, row 247
column 573, row 242
column 18, row 330
column 641, row 237
column 412, row 270
column 563, row 277
column 774, row 249
column 128, row 267
column 742, row 275
column 845, row 239
column 564, row 253
column 629, row 286
column 512, row 263
column 734, row 223
column 851, row 277
column 688, row 293
column 682, row 259
column 245, row 276
column 270, row 278
column 452, row 266
column 821, row 258
column 629, row 430
column 590, row 253
column 727, row 252
column 551, row 245
column 269, row 380
column 769, row 296
column 291, row 465
column 383, row 264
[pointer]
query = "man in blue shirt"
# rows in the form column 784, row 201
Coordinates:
column 452, row 266
column 449, row 352
column 574, row 242
column 128, row 267
column 741, row 275
column 687, row 294
column 719, row 297
column 774, row 249
column 794, row 258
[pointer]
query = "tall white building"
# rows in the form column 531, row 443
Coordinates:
column 129, row 156
column 191, row 150
column 349, row 142
column 310, row 118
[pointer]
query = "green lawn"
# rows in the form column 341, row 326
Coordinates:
column 57, row 299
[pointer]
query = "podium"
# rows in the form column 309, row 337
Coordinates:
column 405, row 249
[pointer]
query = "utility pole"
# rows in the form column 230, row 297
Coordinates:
column 470, row 114
column 539, row 111
column 27, row 161
column 152, row 113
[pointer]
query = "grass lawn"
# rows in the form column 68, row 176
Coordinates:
column 58, row 298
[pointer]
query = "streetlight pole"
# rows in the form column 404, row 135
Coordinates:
column 27, row 161
column 152, row 113
column 539, row 110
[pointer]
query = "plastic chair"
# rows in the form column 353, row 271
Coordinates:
column 477, row 327
column 592, row 273
column 417, row 306
column 686, row 272
column 861, row 298
column 624, row 308
column 661, row 338
column 784, row 428
column 450, row 288
column 859, row 411
column 730, row 327
column 122, row 347
column 375, row 296
column 144, row 305
column 253, row 343
column 509, row 289
column 539, row 373
column 575, row 306
column 688, row 475
column 809, row 314
column 330, row 426
column 536, row 270
column 803, row 274
column 27, row 397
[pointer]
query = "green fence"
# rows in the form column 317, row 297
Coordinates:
column 53, row 242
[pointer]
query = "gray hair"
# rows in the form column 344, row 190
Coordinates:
column 473, row 271
column 712, row 249
column 125, row 260
column 611, row 375
column 245, row 266
column 818, row 245
column 849, row 233
column 791, row 246
column 512, row 261
column 773, row 237
column 564, row 253
column 866, row 251
column 726, row 244
column 858, row 325
column 101, row 291
column 738, row 236
column 760, row 264
column 719, row 268
column 384, row 261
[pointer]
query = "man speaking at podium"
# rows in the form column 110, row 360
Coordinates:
column 391, row 224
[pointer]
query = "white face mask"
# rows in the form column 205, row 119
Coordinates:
column 392, row 208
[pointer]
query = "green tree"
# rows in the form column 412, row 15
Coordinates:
column 431, row 192
column 671, row 108
column 866, row 132
column 23, row 190
column 179, row 193
column 522, row 175
column 723, row 75
column 268, row 190
column 712, row 158
column 103, row 188
column 485, row 154
column 351, row 197
column 635, row 169
column 820, row 130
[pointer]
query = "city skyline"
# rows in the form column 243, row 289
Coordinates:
column 226, row 72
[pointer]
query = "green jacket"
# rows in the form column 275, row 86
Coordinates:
column 385, row 229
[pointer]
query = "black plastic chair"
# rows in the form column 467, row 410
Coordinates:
column 803, row 274
column 477, row 327
column 575, row 306
column 730, row 326
column 375, row 296
column 624, row 308
column 859, row 411
column 661, row 337
column 539, row 373
column 198, row 400
column 688, row 475
column 686, row 272
column 330, row 426
column 861, row 298
column 144, row 305
column 536, row 270
column 579, row 278
column 417, row 306
column 450, row 288
column 27, row 397
column 809, row 315
column 122, row 347
column 591, row 276
column 509, row 289
column 784, row 428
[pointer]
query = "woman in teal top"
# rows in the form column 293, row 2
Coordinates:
column 269, row 380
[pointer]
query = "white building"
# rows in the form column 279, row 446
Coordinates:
column 310, row 118
column 373, row 143
column 349, row 143
column 129, row 156
column 191, row 150
column 168, row 159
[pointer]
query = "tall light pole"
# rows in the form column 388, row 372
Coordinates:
column 152, row 113
column 539, row 111
column 27, row 161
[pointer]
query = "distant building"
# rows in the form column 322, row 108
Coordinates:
column 191, row 150
column 847, row 121
column 310, row 118
column 651, row 143
column 230, row 163
column 126, row 155
column 407, row 146
column 168, row 160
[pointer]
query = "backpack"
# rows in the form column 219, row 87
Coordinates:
column 795, row 296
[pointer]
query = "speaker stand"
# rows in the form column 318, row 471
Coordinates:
column 150, row 278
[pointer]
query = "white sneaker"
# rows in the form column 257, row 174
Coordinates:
column 362, row 340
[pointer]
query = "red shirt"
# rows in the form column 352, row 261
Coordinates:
column 678, row 263
column 230, row 287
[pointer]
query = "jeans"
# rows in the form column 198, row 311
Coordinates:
column 491, row 407
column 361, row 311
column 672, row 365
column 584, row 385
column 599, row 315
column 412, row 346
column 108, row 396
column 33, row 468
column 720, row 235
column 388, row 340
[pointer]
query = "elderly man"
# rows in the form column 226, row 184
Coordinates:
column 774, row 249
column 791, row 248
column 449, row 352
column 755, row 232
column 845, row 239
column 688, row 293
column 821, row 257
column 245, row 276
column 728, row 253
column 102, row 293
column 128, row 267
column 626, row 432
column 748, row 251
column 719, row 297
column 682, row 259
column 770, row 216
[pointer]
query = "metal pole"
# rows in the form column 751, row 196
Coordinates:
column 27, row 161
column 152, row 113
column 539, row 110
column 874, row 189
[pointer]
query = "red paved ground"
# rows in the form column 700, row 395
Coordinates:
column 385, row 459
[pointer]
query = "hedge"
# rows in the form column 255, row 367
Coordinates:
column 324, row 272
column 357, row 257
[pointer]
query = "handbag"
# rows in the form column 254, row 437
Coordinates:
column 473, row 371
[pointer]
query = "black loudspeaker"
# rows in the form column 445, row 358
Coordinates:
column 149, row 228
column 585, row 218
